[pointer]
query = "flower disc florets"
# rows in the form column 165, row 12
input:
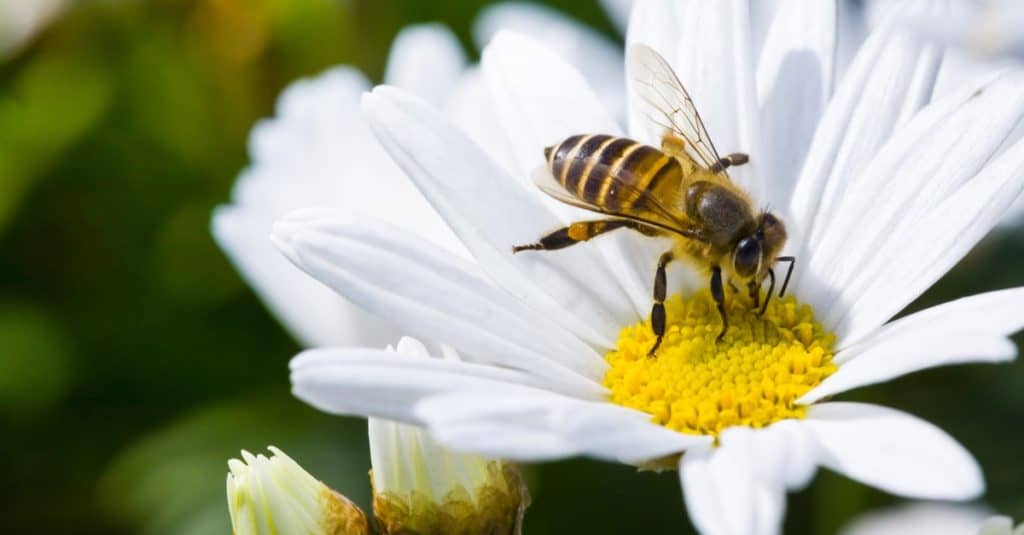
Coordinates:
column 752, row 377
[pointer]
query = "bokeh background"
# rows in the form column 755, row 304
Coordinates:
column 133, row 359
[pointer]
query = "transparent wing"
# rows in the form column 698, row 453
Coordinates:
column 666, row 107
column 653, row 214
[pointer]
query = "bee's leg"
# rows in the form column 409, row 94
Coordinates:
column 658, row 310
column 575, row 233
column 718, row 293
column 771, row 290
column 734, row 159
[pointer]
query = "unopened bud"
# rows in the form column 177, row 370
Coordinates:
column 274, row 495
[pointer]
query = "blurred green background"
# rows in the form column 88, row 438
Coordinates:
column 134, row 361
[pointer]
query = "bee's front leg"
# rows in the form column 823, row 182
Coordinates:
column 718, row 293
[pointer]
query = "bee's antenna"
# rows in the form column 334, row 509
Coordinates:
column 789, row 272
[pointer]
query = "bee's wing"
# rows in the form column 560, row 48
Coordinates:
column 653, row 214
column 666, row 107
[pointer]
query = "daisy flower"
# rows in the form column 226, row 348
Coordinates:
column 933, row 518
column 318, row 149
column 882, row 190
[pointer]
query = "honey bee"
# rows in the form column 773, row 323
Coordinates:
column 680, row 190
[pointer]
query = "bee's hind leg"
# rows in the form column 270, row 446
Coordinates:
column 578, row 232
column 718, row 293
column 582, row 231
column 658, row 309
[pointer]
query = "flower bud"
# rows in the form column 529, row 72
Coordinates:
column 422, row 488
column 275, row 495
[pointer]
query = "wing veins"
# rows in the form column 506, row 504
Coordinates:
column 661, row 92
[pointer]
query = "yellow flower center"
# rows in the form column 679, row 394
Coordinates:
column 751, row 378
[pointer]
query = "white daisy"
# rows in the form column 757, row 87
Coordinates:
column 883, row 191
column 933, row 518
column 319, row 150
column 269, row 495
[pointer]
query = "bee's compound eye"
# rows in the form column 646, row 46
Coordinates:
column 747, row 257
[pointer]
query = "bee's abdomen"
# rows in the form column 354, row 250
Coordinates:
column 610, row 172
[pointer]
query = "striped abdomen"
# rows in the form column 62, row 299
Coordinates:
column 611, row 172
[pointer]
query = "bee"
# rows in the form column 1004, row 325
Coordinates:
column 679, row 190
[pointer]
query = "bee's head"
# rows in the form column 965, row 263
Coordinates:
column 754, row 254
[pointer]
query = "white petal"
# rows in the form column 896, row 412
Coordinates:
column 940, row 239
column 505, row 425
column 998, row 313
column 490, row 212
column 655, row 23
column 960, row 68
column 292, row 167
column 315, row 315
column 521, row 74
column 710, row 48
column 724, row 491
column 794, row 83
column 943, row 147
column 932, row 518
column 718, row 490
column 889, row 81
column 893, row 451
column 597, row 58
column 379, row 383
column 788, row 453
column 433, row 295
column 425, row 59
column 317, row 151
column 1015, row 215
column 471, row 108
column 985, row 29
column 900, row 355
column 997, row 525
column 312, row 114
column 850, row 34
